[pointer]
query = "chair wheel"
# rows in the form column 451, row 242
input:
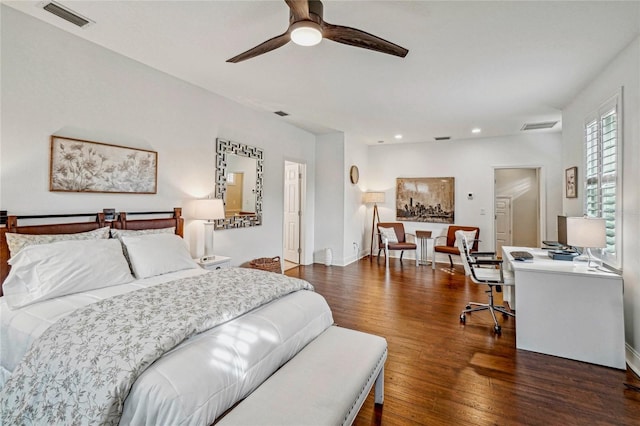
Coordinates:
column 463, row 318
column 468, row 307
column 497, row 329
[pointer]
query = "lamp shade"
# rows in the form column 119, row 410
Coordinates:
column 373, row 197
column 208, row 209
column 589, row 232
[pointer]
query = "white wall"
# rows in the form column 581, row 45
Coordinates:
column 330, row 208
column 354, row 214
column 623, row 71
column 339, row 207
column 471, row 162
column 55, row 83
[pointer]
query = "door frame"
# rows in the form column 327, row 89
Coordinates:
column 302, row 200
column 541, row 174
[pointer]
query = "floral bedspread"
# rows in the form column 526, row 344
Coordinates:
column 81, row 369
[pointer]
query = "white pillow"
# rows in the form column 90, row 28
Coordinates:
column 471, row 236
column 389, row 234
column 17, row 242
column 156, row 254
column 44, row 271
column 119, row 233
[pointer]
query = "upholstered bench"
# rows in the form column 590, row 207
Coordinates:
column 326, row 383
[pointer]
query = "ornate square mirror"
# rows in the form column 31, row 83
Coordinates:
column 239, row 184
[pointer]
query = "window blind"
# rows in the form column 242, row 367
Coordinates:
column 601, row 172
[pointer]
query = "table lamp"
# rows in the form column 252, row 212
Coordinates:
column 209, row 209
column 588, row 233
column 375, row 198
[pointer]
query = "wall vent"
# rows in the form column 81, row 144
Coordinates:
column 65, row 13
column 538, row 126
column 281, row 113
column 442, row 138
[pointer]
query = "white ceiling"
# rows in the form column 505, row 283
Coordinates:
column 493, row 65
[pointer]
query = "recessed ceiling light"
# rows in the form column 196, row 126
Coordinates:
column 398, row 136
column 476, row 130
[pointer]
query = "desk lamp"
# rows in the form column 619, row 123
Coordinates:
column 588, row 233
column 209, row 209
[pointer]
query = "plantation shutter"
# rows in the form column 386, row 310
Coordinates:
column 601, row 171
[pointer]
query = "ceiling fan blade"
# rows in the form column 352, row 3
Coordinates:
column 265, row 47
column 299, row 9
column 359, row 38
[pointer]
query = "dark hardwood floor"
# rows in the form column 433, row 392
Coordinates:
column 441, row 372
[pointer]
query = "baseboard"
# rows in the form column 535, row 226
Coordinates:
column 350, row 259
column 633, row 359
column 321, row 259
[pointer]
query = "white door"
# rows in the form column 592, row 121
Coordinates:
column 503, row 223
column 292, row 212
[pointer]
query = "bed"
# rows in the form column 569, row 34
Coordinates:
column 206, row 364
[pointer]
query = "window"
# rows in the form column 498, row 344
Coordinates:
column 602, row 172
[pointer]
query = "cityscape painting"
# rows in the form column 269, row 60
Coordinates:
column 425, row 199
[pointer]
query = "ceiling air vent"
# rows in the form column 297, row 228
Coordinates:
column 442, row 138
column 539, row 126
column 281, row 113
column 66, row 14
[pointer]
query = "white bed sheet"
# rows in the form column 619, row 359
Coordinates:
column 202, row 377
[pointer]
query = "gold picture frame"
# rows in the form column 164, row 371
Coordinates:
column 571, row 182
column 78, row 165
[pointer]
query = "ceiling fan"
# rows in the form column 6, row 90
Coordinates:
column 307, row 28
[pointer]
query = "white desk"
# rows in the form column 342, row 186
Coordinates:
column 568, row 310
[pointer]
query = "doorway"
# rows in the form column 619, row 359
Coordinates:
column 517, row 207
column 235, row 195
column 293, row 194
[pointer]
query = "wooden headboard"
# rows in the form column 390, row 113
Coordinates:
column 124, row 221
column 96, row 220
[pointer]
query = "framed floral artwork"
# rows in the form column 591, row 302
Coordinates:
column 84, row 166
column 571, row 182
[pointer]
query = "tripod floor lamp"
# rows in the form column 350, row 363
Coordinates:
column 373, row 198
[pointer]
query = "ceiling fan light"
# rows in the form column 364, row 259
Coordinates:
column 306, row 33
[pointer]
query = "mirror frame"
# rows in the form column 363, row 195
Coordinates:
column 224, row 148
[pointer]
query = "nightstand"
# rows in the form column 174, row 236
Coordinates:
column 218, row 262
